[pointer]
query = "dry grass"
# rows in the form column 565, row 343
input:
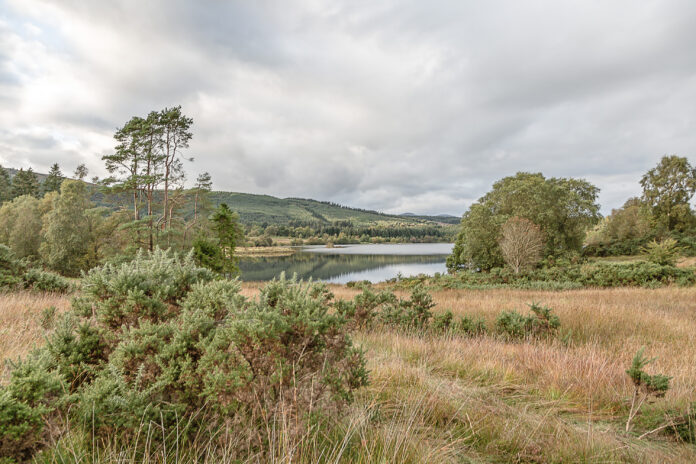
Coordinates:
column 20, row 321
column 456, row 399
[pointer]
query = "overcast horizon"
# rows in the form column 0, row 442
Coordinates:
column 396, row 106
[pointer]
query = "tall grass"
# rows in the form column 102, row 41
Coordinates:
column 456, row 399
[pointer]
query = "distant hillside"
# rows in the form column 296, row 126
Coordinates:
column 442, row 218
column 260, row 209
column 12, row 172
column 257, row 209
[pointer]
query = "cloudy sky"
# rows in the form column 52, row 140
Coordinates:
column 395, row 105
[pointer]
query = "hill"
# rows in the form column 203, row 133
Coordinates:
column 258, row 209
column 266, row 209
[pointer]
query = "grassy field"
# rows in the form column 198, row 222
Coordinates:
column 455, row 399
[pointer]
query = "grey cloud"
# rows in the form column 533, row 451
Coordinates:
column 400, row 105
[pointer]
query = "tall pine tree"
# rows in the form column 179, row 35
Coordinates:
column 5, row 185
column 25, row 183
column 53, row 180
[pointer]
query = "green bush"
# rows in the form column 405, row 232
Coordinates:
column 664, row 253
column 446, row 323
column 470, row 326
column 160, row 340
column 442, row 322
column 11, row 268
column 27, row 406
column 412, row 313
column 365, row 307
column 46, row 281
column 515, row 326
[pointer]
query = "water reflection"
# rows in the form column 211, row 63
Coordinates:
column 357, row 262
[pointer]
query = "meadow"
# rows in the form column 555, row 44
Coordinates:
column 452, row 398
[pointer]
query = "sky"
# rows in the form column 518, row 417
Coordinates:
column 393, row 105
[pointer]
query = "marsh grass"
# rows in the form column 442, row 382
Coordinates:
column 444, row 398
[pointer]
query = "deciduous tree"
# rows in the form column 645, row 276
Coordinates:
column 668, row 188
column 521, row 243
column 66, row 230
column 563, row 209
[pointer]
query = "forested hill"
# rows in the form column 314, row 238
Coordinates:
column 258, row 209
column 266, row 209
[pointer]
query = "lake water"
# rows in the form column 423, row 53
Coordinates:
column 345, row 263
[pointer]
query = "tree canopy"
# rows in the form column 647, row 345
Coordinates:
column 667, row 189
column 562, row 207
column 25, row 183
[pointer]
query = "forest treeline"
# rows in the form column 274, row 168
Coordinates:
column 528, row 222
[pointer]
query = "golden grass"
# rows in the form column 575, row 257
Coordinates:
column 457, row 399
column 20, row 316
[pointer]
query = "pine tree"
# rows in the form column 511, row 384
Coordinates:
column 25, row 183
column 225, row 225
column 203, row 186
column 5, row 186
column 53, row 180
column 81, row 171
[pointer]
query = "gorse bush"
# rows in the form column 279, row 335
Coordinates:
column 384, row 308
column 16, row 274
column 645, row 385
column 161, row 341
column 46, row 281
column 515, row 326
column 412, row 313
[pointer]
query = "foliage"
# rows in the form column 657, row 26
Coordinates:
column 21, row 222
column 11, row 268
column 466, row 325
column 515, row 326
column 5, row 186
column 664, row 253
column 365, row 307
column 667, row 189
column 43, row 281
column 25, row 183
column 53, row 180
column 67, row 230
column 566, row 276
column 209, row 255
column 521, row 243
column 562, row 208
column 225, row 226
column 81, row 171
column 412, row 313
column 160, row 340
column 644, row 384
column 25, row 407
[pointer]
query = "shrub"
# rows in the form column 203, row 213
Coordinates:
column 412, row 313
column 160, row 340
column 11, row 268
column 442, row 322
column 48, row 317
column 645, row 385
column 362, row 311
column 46, row 281
column 664, row 253
column 470, row 326
column 27, row 405
column 446, row 323
column 515, row 326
